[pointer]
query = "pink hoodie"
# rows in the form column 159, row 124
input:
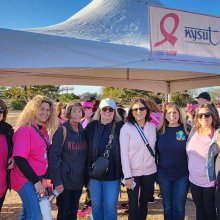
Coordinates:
column 135, row 157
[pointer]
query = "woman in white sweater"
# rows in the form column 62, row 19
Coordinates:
column 138, row 162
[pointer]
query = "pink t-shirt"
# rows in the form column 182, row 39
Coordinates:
column 29, row 145
column 3, row 164
column 197, row 151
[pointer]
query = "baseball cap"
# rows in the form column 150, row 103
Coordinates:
column 107, row 102
column 204, row 95
column 86, row 104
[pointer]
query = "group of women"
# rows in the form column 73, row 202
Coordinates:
column 138, row 151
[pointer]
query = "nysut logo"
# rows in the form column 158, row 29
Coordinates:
column 168, row 36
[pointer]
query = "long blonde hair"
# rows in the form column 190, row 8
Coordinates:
column 28, row 114
column 164, row 122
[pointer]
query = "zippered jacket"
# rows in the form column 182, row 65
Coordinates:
column 93, row 136
column 67, row 162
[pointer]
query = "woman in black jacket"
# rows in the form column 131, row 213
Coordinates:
column 6, row 162
column 104, row 192
column 67, row 162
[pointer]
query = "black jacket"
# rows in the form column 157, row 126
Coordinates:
column 67, row 162
column 8, row 131
column 93, row 134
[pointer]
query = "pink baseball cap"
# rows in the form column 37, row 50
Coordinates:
column 86, row 104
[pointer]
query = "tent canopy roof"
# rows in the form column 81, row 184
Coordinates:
column 52, row 57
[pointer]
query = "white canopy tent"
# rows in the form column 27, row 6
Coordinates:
column 106, row 43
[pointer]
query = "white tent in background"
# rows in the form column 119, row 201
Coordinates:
column 106, row 43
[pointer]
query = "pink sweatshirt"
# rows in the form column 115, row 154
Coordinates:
column 135, row 157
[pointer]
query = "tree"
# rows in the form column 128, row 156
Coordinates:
column 181, row 98
column 27, row 92
column 87, row 95
column 20, row 95
column 124, row 96
column 67, row 97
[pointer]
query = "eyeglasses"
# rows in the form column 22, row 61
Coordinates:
column 2, row 111
column 105, row 109
column 207, row 115
column 140, row 109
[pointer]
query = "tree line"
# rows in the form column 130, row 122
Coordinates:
column 19, row 96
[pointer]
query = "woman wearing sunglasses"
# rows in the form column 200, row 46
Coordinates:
column 138, row 160
column 201, row 151
column 104, row 192
column 172, row 162
column 6, row 161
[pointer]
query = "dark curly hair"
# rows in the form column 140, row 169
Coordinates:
column 4, row 106
column 130, row 117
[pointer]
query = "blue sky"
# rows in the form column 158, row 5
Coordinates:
column 16, row 14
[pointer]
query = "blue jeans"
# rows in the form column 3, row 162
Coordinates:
column 30, row 203
column 174, row 192
column 104, row 196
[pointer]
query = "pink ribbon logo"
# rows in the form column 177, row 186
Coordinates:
column 168, row 36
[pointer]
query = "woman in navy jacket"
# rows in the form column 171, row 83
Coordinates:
column 67, row 162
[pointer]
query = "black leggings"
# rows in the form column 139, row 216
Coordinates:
column 204, row 199
column 68, row 204
column 146, row 186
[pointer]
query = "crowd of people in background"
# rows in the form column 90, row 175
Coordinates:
column 147, row 144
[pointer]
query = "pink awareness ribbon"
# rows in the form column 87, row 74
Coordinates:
column 168, row 36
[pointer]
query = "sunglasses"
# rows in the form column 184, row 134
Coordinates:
column 140, row 109
column 105, row 109
column 2, row 111
column 207, row 115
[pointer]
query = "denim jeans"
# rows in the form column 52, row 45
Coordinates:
column 30, row 203
column 139, row 196
column 68, row 204
column 204, row 199
column 104, row 196
column 174, row 192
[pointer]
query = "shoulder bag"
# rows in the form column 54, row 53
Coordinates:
column 100, row 167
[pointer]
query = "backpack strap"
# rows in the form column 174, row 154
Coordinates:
column 64, row 134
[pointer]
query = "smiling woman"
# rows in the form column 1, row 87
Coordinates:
column 31, row 143
column 138, row 158
column 202, row 151
column 102, row 135
column 67, row 162
column 172, row 162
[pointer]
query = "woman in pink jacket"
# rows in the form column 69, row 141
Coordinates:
column 138, row 162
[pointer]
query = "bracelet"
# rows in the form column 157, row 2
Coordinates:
column 128, row 178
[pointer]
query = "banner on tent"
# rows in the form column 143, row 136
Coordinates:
column 184, row 36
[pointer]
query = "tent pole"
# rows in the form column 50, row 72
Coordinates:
column 168, row 94
column 169, row 97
